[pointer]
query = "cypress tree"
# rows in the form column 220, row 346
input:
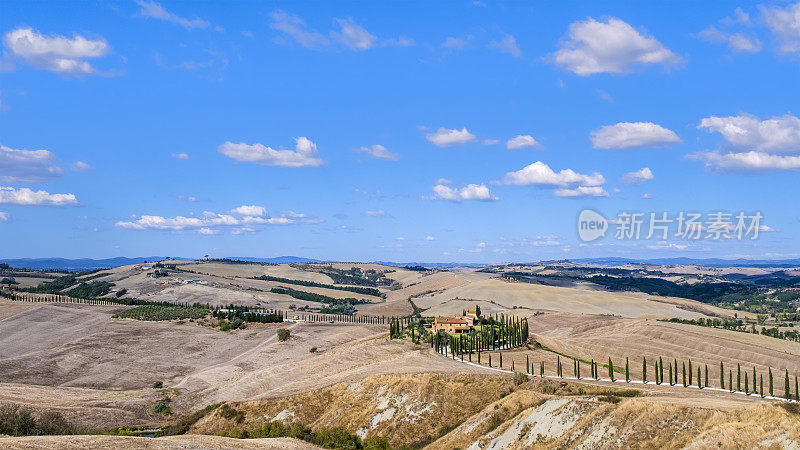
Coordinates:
column 730, row 380
column 627, row 371
column 721, row 376
column 512, row 365
column 660, row 370
column 578, row 367
column 761, row 390
column 746, row 387
column 527, row 364
column 771, row 392
column 796, row 390
column 706, row 381
column 754, row 379
column 738, row 377
column 683, row 371
column 541, row 369
column 699, row 380
column 501, row 360
column 644, row 369
column 786, row 388
column 610, row 369
column 690, row 372
column 490, row 360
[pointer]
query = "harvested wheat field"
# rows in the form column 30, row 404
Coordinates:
column 183, row 442
column 98, row 370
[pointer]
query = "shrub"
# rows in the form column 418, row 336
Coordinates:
column 312, row 350
column 284, row 334
column 520, row 378
column 337, row 437
column 121, row 292
column 161, row 407
column 376, row 443
column 224, row 325
column 16, row 421
column 237, row 323
column 158, row 385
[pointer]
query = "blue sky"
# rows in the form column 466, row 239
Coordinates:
column 407, row 131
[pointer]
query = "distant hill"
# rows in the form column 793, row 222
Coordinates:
column 708, row 262
column 77, row 265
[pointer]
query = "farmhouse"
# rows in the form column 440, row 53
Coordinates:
column 453, row 325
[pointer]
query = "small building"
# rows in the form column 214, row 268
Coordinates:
column 452, row 325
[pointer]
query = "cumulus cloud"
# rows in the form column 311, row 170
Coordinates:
column 638, row 176
column 541, row 174
column 612, row 46
column 252, row 210
column 468, row 192
column 627, row 135
column 737, row 42
column 429, row 238
column 180, row 155
column 752, row 161
column 212, row 222
column 28, row 197
column 784, row 23
column 521, row 141
column 28, row 166
column 5, row 217
column 444, row 137
column 353, row 35
column 55, row 53
column 304, row 155
column 380, row 152
column 156, row 11
column 747, row 132
column 506, row 45
column 207, row 231
column 581, row 191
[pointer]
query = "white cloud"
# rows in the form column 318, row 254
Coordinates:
column 444, row 137
column 454, row 43
column 638, row 176
column 207, row 231
column 785, row 25
column 443, row 181
column 28, row 166
column 468, row 192
column 189, row 198
column 252, row 210
column 5, row 217
column 429, row 238
column 379, row 213
column 626, row 135
column 775, row 135
column 490, row 141
column 647, row 196
column 80, row 166
column 612, row 46
column 581, row 191
column 28, row 197
column 521, row 141
column 541, row 174
column 210, row 220
column 737, row 42
column 296, row 28
column 380, row 152
column 506, row 45
column 180, row 155
column 55, row 53
column 752, row 161
column 305, row 154
column 156, row 11
column 353, row 35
